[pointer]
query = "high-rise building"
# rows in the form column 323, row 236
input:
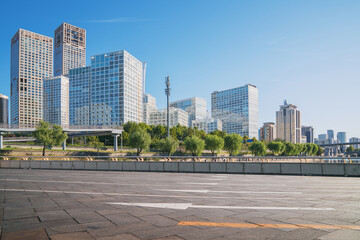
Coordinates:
column 56, row 100
column 4, row 110
column 322, row 137
column 330, row 134
column 268, row 132
column 309, row 133
column 288, row 123
column 31, row 62
column 79, row 96
column 114, row 86
column 69, row 48
column 207, row 124
column 341, row 136
column 355, row 140
column 149, row 107
column 195, row 107
column 177, row 116
column 237, row 108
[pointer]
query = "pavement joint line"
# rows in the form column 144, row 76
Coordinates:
column 252, row 225
column 138, row 195
column 211, row 191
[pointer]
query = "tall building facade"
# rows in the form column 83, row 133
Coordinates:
column 56, row 100
column 308, row 132
column 149, row 107
column 288, row 123
column 341, row 137
column 177, row 116
column 330, row 134
column 355, row 140
column 113, row 88
column 268, row 132
column 31, row 62
column 208, row 124
column 195, row 107
column 237, row 108
column 69, row 48
column 4, row 110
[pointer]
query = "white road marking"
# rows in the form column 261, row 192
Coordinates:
column 211, row 191
column 184, row 206
column 185, row 190
column 137, row 195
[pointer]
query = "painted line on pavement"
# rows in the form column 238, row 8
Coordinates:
column 184, row 206
column 250, row 225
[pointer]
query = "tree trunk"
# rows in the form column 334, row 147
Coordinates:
column 44, row 151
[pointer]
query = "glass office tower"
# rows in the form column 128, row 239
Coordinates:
column 237, row 108
column 195, row 107
column 31, row 61
column 4, row 110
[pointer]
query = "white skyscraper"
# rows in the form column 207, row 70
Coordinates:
column 195, row 107
column 149, row 107
column 288, row 123
column 56, row 100
column 31, row 62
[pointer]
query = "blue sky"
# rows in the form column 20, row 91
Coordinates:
column 307, row 52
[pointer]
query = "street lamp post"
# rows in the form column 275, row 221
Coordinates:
column 167, row 92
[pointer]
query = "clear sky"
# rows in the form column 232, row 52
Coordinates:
column 307, row 52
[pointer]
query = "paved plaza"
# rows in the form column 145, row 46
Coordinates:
column 60, row 204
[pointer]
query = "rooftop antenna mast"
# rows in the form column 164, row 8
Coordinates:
column 167, row 92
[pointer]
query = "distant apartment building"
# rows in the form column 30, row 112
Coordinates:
column 237, row 108
column 288, row 123
column 69, row 48
column 355, row 140
column 177, row 116
column 4, row 110
column 149, row 104
column 268, row 132
column 112, row 86
column 31, row 62
column 207, row 124
column 195, row 107
column 330, row 134
column 308, row 132
column 56, row 100
column 341, row 137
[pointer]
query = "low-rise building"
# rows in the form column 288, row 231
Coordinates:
column 208, row 124
column 177, row 116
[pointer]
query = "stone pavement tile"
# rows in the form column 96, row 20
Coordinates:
column 300, row 234
column 121, row 219
column 58, row 222
column 72, row 236
column 85, row 216
column 35, row 234
column 342, row 234
column 11, row 213
column 20, row 224
column 256, row 234
column 53, row 215
column 78, row 227
column 170, row 238
column 125, row 236
column 210, row 233
column 154, row 233
column 159, row 221
column 302, row 221
column 250, row 215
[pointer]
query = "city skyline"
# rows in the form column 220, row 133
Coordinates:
column 327, row 117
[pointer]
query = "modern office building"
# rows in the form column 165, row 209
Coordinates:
column 4, row 110
column 177, row 116
column 322, row 137
column 31, row 62
column 288, row 123
column 195, row 107
column 268, row 132
column 113, row 88
column 79, row 96
column 341, row 137
column 237, row 108
column 56, row 100
column 308, row 131
column 69, row 48
column 355, row 140
column 330, row 134
column 149, row 104
column 207, row 124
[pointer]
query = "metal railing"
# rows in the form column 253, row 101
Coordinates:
column 270, row 159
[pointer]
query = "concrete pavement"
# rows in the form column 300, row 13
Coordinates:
column 52, row 204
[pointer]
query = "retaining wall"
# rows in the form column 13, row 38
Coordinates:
column 316, row 169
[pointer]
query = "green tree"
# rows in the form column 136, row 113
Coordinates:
column 139, row 139
column 95, row 143
column 309, row 148
column 168, row 145
column 276, row 147
column 315, row 149
column 158, row 131
column 350, row 149
column 194, row 145
column 232, row 143
column 258, row 148
column 130, row 127
column 320, row 151
column 49, row 136
column 219, row 133
column 214, row 143
column 290, row 149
